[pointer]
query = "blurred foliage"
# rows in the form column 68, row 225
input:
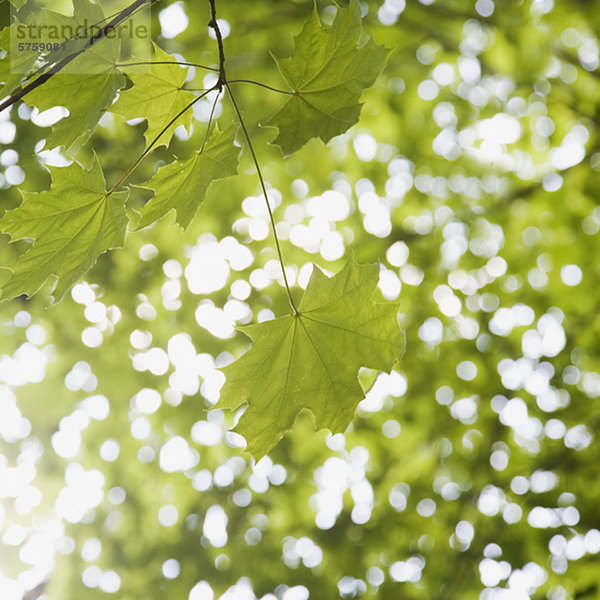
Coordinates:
column 470, row 472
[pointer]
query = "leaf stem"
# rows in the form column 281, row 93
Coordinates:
column 208, row 125
column 266, row 197
column 221, row 83
column 263, row 85
column 166, row 62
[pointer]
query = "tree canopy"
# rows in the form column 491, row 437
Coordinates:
column 407, row 410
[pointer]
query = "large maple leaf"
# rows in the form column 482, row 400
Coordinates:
column 311, row 359
column 87, row 86
column 327, row 74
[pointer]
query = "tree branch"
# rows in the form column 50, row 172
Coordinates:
column 59, row 66
column 214, row 24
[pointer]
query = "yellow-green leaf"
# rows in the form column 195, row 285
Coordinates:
column 182, row 184
column 327, row 74
column 311, row 360
column 70, row 225
column 87, row 86
column 157, row 96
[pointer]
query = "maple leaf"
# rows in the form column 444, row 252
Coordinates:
column 71, row 225
column 157, row 96
column 182, row 184
column 327, row 73
column 86, row 87
column 311, row 360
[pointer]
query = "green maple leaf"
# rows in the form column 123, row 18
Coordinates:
column 182, row 184
column 311, row 360
column 87, row 86
column 327, row 73
column 71, row 225
column 85, row 96
column 157, row 96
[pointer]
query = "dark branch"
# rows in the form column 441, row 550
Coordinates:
column 59, row 66
column 214, row 24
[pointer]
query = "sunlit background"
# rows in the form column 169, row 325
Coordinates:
column 469, row 471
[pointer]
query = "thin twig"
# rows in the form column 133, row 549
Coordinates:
column 214, row 24
column 222, row 82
